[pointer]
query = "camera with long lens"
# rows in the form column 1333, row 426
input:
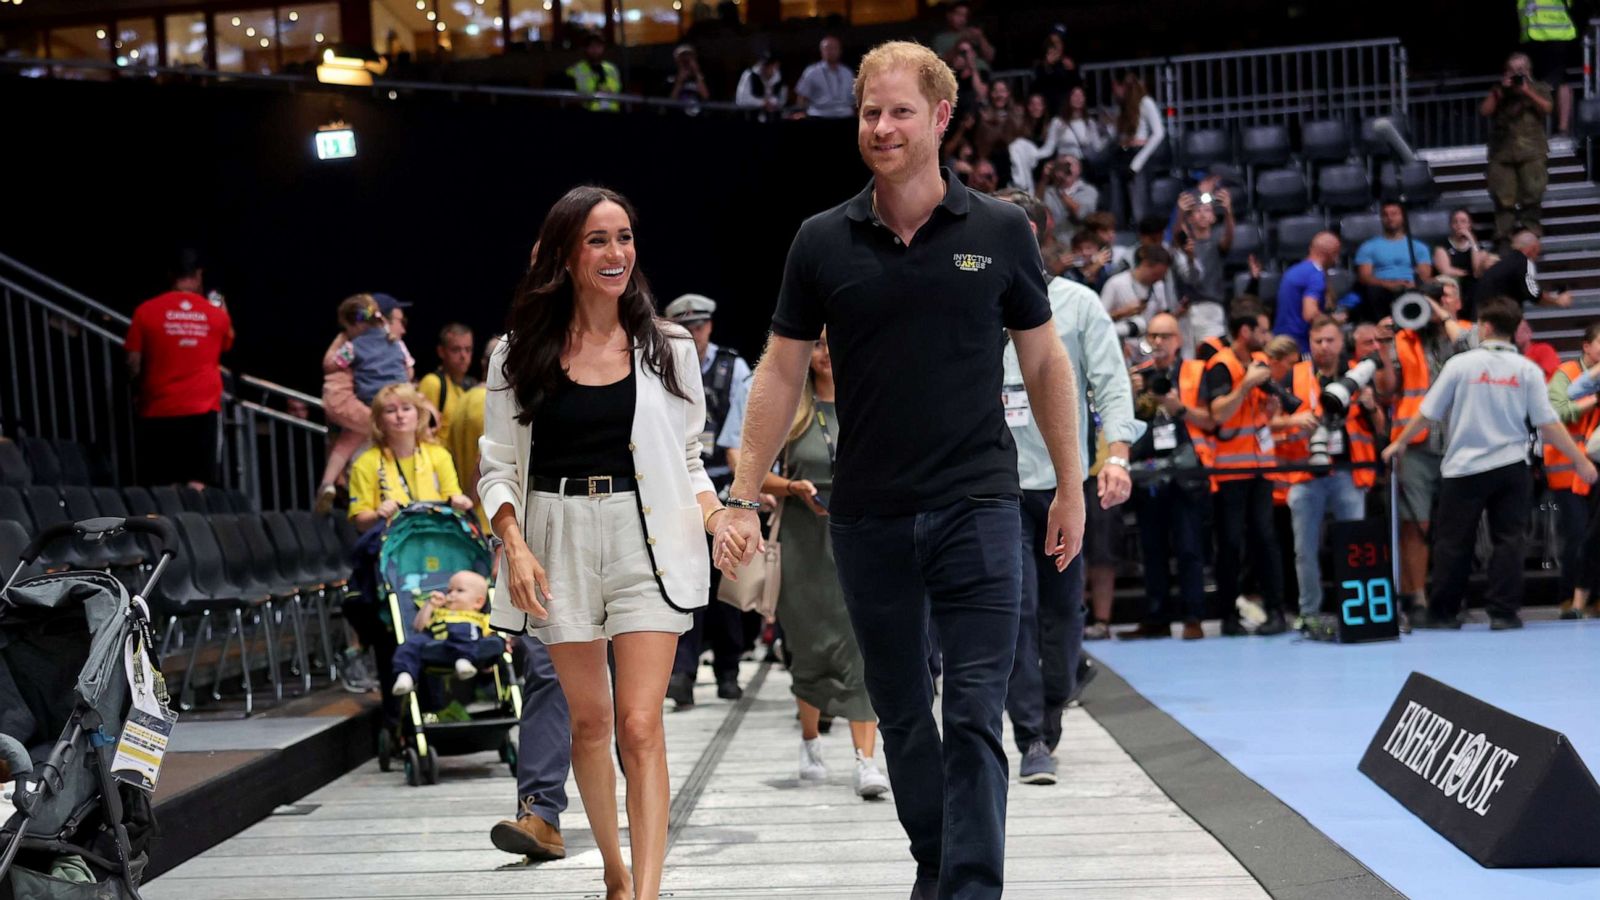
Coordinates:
column 1336, row 398
column 1287, row 401
column 1412, row 311
column 1159, row 383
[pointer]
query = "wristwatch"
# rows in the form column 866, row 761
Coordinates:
column 1118, row 461
column 736, row 503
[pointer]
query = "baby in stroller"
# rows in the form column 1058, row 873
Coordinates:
column 451, row 629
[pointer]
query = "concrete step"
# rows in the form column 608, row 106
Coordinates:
column 1477, row 200
column 1568, row 261
column 1564, row 173
column 1570, row 279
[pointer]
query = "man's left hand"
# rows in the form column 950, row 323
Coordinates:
column 1063, row 535
column 1115, row 485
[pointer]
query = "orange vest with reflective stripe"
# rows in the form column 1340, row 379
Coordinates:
column 1190, row 376
column 1362, row 448
column 1208, row 348
column 1558, row 469
column 1414, row 383
column 1237, row 446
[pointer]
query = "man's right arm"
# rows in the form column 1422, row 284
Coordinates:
column 774, row 396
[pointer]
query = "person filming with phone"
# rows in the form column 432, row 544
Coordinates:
column 1519, row 148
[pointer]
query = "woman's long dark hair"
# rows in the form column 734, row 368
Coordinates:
column 541, row 314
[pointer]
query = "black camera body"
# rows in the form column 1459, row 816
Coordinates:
column 1518, row 80
column 1286, row 398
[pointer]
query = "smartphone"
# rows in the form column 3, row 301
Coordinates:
column 1180, row 237
column 821, row 499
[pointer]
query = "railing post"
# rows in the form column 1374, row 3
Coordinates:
column 1402, row 79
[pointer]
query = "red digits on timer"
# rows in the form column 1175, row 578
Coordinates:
column 1364, row 554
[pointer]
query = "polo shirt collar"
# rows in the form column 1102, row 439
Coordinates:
column 956, row 200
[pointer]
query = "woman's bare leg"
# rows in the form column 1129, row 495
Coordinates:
column 644, row 663
column 586, row 681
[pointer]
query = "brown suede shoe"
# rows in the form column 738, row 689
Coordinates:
column 529, row 836
column 1192, row 631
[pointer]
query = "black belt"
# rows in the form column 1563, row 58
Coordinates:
column 586, row 486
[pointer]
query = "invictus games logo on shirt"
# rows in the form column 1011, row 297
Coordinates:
column 971, row 262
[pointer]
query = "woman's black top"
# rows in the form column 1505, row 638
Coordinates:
column 584, row 430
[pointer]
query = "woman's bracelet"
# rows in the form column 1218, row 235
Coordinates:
column 705, row 522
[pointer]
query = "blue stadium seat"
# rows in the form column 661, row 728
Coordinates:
column 1246, row 240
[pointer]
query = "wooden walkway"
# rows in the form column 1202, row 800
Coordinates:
column 753, row 830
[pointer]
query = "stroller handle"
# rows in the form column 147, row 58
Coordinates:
column 99, row 529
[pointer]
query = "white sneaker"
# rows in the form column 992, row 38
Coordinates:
column 870, row 780
column 465, row 670
column 812, row 768
column 403, row 684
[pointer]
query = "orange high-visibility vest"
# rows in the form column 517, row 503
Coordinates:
column 1414, row 381
column 1559, row 471
column 1363, row 448
column 1190, row 377
column 1237, row 442
column 1208, row 348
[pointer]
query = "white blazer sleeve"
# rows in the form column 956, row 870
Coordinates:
column 498, row 463
column 695, row 423
column 1150, row 115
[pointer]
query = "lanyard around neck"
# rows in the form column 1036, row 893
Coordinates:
column 822, row 422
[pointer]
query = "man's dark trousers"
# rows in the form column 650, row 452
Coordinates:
column 1244, row 526
column 963, row 562
column 1171, row 522
column 1049, row 633
column 1505, row 494
column 544, row 737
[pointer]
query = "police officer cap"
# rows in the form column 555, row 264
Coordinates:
column 691, row 308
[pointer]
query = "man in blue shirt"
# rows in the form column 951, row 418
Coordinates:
column 1387, row 267
column 1303, row 292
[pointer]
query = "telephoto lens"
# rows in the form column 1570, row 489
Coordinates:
column 1319, row 447
column 1286, row 399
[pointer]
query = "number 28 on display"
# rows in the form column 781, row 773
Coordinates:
column 1373, row 601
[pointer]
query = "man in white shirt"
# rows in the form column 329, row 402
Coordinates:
column 1488, row 396
column 1133, row 296
column 827, row 88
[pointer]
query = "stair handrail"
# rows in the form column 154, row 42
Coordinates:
column 10, row 262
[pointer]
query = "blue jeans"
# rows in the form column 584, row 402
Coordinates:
column 1333, row 494
column 1049, row 633
column 544, row 736
column 1171, row 519
column 962, row 563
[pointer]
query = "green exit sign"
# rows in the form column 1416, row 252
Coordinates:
column 337, row 144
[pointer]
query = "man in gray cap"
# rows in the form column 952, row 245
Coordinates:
column 727, row 384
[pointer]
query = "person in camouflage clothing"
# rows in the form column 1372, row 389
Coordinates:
column 1518, row 148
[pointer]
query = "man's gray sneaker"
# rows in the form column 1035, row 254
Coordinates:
column 1038, row 766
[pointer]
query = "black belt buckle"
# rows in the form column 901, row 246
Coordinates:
column 594, row 490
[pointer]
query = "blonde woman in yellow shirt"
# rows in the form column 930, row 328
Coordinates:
column 403, row 465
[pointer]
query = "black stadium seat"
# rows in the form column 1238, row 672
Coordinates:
column 1324, row 141
column 1415, row 179
column 1206, row 146
column 74, row 461
column 1281, row 191
column 42, row 460
column 1246, row 240
column 168, row 503
column 1375, row 146
column 1344, row 187
column 81, row 504
column 140, row 501
column 13, row 540
column 48, row 510
column 1430, row 226
column 1264, row 145
column 192, row 499
column 1164, row 193
column 14, row 469
column 1356, row 228
column 14, row 509
column 1294, row 236
column 216, row 501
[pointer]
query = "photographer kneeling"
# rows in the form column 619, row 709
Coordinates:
column 1342, row 433
column 1489, row 395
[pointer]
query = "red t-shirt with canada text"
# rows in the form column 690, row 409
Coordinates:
column 180, row 337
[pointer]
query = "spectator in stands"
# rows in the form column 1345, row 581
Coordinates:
column 175, row 344
column 1171, row 510
column 1542, row 353
column 1489, row 396
column 958, row 29
column 1066, row 195
column 1055, row 74
column 1516, row 276
column 1573, row 498
column 1303, row 292
column 1243, row 501
column 1389, row 265
column 972, row 89
column 446, row 388
column 1341, row 491
column 1140, row 132
column 394, row 313
column 826, row 88
column 1463, row 257
column 1132, row 296
column 1029, row 143
column 404, row 465
column 594, row 74
column 1205, row 290
column 1078, row 131
column 761, row 87
column 373, row 357
column 985, row 179
column 1087, row 261
column 687, row 86
column 1519, row 148
column 1001, row 121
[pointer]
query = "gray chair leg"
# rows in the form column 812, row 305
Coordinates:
column 320, row 602
column 186, row 693
column 222, row 659
column 166, row 637
column 270, row 633
column 297, row 609
column 244, row 663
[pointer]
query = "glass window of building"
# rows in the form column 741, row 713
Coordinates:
column 246, row 41
column 86, row 42
column 589, row 14
column 651, row 22
column 812, row 9
column 136, row 43
column 405, row 26
column 470, row 30
column 530, row 21
column 872, row 12
column 186, row 41
column 304, row 31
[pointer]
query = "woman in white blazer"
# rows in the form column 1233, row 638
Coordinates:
column 592, row 478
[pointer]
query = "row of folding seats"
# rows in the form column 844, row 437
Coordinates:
column 1287, row 239
column 1337, row 188
column 33, row 460
column 1263, row 146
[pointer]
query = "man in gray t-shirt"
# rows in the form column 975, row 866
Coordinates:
column 1490, row 396
column 1205, row 245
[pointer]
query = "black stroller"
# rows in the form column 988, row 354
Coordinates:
column 65, row 690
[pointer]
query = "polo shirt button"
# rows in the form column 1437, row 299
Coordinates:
column 897, row 240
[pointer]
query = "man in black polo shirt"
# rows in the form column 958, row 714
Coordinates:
column 918, row 280
column 1517, row 276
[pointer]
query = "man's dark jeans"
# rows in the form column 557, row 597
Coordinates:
column 1171, row 521
column 962, row 562
column 1049, row 633
column 544, row 737
column 1505, row 494
column 1245, row 529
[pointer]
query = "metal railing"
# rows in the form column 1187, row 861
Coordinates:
column 63, row 352
column 1444, row 112
column 1286, row 85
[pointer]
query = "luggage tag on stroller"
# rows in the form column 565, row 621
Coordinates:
column 148, row 730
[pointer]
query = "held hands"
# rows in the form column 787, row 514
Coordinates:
column 1563, row 299
column 1303, row 422
column 1063, row 534
column 738, row 541
column 530, row 586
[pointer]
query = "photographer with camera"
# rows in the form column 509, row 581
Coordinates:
column 1489, row 395
column 1427, row 333
column 1069, row 198
column 1205, row 288
column 1171, row 508
column 1132, row 296
column 1519, row 149
column 1243, row 400
column 1341, row 432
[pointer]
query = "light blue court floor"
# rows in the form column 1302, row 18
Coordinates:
column 1296, row 716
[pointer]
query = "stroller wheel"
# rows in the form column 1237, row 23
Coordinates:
column 430, row 764
column 414, row 772
column 385, row 750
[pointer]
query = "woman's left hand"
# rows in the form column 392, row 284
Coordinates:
column 460, row 503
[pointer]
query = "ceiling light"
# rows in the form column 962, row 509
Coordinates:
column 250, row 32
column 99, row 34
column 320, row 37
column 133, row 54
column 677, row 4
column 236, row 21
column 264, row 42
column 432, row 15
column 547, row 5
column 294, row 16
column 499, row 22
column 439, row 26
column 422, row 4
